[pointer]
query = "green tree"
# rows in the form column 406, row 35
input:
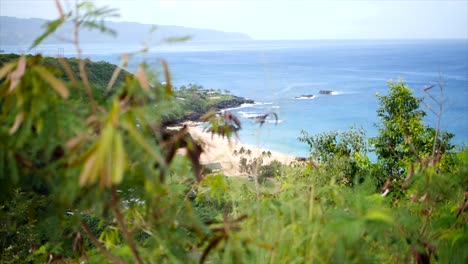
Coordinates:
column 400, row 130
column 403, row 138
column 343, row 155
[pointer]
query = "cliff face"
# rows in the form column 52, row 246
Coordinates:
column 17, row 31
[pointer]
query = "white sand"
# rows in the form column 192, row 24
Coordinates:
column 220, row 150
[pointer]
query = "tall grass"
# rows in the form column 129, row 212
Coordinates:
column 304, row 220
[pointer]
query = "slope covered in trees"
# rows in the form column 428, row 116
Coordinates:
column 98, row 73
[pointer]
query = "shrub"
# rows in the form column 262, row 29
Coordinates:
column 403, row 138
column 271, row 170
column 341, row 155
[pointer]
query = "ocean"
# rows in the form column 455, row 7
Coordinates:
column 277, row 75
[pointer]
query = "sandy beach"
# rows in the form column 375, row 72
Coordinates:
column 221, row 150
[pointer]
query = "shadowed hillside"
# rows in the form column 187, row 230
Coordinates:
column 16, row 31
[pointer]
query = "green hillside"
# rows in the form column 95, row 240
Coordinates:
column 99, row 73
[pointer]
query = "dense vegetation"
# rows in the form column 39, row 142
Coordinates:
column 188, row 102
column 98, row 73
column 86, row 175
column 191, row 102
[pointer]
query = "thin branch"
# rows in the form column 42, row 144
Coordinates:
column 24, row 161
column 439, row 118
column 60, row 9
column 81, row 63
column 120, row 221
column 440, row 103
column 430, row 108
column 68, row 70
column 412, row 147
column 99, row 246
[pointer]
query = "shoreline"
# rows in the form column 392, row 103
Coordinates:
column 223, row 105
column 219, row 152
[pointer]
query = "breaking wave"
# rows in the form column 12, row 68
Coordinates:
column 249, row 115
column 305, row 97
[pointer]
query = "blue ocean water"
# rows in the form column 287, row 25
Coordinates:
column 273, row 73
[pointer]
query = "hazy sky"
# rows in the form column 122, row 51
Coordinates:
column 281, row 19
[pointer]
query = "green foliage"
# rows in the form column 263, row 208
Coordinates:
column 98, row 73
column 341, row 155
column 330, row 223
column 17, row 230
column 257, row 166
column 73, row 149
column 51, row 27
column 271, row 170
column 87, row 176
column 403, row 138
column 29, row 224
column 190, row 102
column 328, row 145
column 402, row 128
column 211, row 201
column 212, row 186
column 62, row 137
column 199, row 100
column 91, row 18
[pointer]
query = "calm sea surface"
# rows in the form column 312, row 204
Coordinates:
column 274, row 73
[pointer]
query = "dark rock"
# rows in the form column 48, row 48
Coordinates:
column 195, row 116
column 235, row 102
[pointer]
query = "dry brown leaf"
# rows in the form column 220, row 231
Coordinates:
column 72, row 143
column 85, row 175
column 261, row 119
column 142, row 78
column 60, row 9
column 117, row 71
column 6, row 69
column 15, row 76
column 17, row 123
column 167, row 76
column 55, row 83
column 68, row 70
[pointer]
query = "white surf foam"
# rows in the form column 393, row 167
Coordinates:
column 274, row 121
column 305, row 97
column 239, row 107
column 249, row 115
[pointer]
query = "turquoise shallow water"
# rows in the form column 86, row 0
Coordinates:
column 273, row 73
